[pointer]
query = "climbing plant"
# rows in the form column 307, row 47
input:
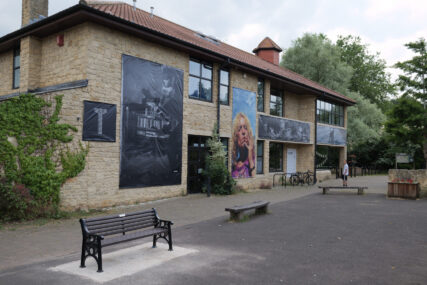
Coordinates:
column 35, row 159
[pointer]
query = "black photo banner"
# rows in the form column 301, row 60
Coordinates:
column 151, row 132
column 331, row 135
column 279, row 129
column 99, row 122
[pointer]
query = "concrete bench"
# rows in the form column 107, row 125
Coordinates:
column 236, row 211
column 360, row 189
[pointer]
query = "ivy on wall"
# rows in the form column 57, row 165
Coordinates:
column 34, row 156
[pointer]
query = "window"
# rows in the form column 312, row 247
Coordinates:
column 200, row 80
column 328, row 113
column 276, row 103
column 260, row 157
column 224, row 79
column 260, row 95
column 276, row 157
column 16, row 68
column 224, row 142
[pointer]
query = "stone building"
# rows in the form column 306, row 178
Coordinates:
column 144, row 94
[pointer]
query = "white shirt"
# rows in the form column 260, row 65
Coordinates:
column 345, row 170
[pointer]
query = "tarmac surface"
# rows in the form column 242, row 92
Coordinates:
column 306, row 238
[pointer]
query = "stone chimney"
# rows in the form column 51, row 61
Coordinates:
column 33, row 11
column 268, row 50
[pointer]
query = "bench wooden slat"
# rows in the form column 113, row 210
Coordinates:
column 120, row 229
column 120, row 222
column 133, row 236
column 110, row 219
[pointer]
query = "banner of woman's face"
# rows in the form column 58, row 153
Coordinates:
column 243, row 137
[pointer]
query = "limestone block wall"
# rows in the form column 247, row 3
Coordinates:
column 6, row 72
column 417, row 175
column 66, row 63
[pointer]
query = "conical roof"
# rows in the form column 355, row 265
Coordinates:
column 267, row 43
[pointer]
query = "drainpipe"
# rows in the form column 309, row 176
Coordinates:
column 218, row 115
column 315, row 139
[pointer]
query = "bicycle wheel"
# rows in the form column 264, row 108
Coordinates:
column 294, row 180
column 309, row 180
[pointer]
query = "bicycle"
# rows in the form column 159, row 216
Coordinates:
column 309, row 177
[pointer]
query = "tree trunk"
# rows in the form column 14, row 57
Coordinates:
column 425, row 150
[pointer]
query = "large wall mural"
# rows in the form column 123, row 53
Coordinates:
column 151, row 124
column 331, row 135
column 279, row 129
column 244, row 120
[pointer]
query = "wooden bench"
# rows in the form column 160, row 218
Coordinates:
column 360, row 189
column 236, row 211
column 121, row 228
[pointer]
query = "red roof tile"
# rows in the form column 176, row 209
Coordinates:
column 163, row 26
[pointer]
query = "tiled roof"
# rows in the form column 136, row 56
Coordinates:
column 267, row 43
column 163, row 26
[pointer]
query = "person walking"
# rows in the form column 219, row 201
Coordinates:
column 345, row 174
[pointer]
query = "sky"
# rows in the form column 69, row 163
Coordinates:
column 385, row 25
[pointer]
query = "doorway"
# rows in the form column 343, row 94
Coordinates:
column 291, row 160
column 197, row 152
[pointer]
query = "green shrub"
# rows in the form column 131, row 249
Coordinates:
column 33, row 163
column 216, row 170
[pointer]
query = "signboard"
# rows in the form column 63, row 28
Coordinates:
column 99, row 122
column 403, row 158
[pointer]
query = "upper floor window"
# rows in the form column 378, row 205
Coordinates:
column 200, row 80
column 328, row 113
column 224, row 82
column 260, row 95
column 276, row 103
column 16, row 68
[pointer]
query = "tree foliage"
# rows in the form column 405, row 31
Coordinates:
column 414, row 84
column 405, row 127
column 34, row 159
column 314, row 56
column 414, row 81
column 369, row 77
column 317, row 58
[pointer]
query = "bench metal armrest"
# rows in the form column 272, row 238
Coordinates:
column 164, row 223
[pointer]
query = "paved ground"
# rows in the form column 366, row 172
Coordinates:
column 308, row 238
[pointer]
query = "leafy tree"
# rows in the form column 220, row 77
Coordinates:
column 369, row 77
column 414, row 83
column 314, row 56
column 317, row 58
column 406, row 126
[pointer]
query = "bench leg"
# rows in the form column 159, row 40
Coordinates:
column 83, row 257
column 359, row 191
column 235, row 216
column 324, row 191
column 99, row 260
column 261, row 210
column 170, row 237
column 154, row 241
